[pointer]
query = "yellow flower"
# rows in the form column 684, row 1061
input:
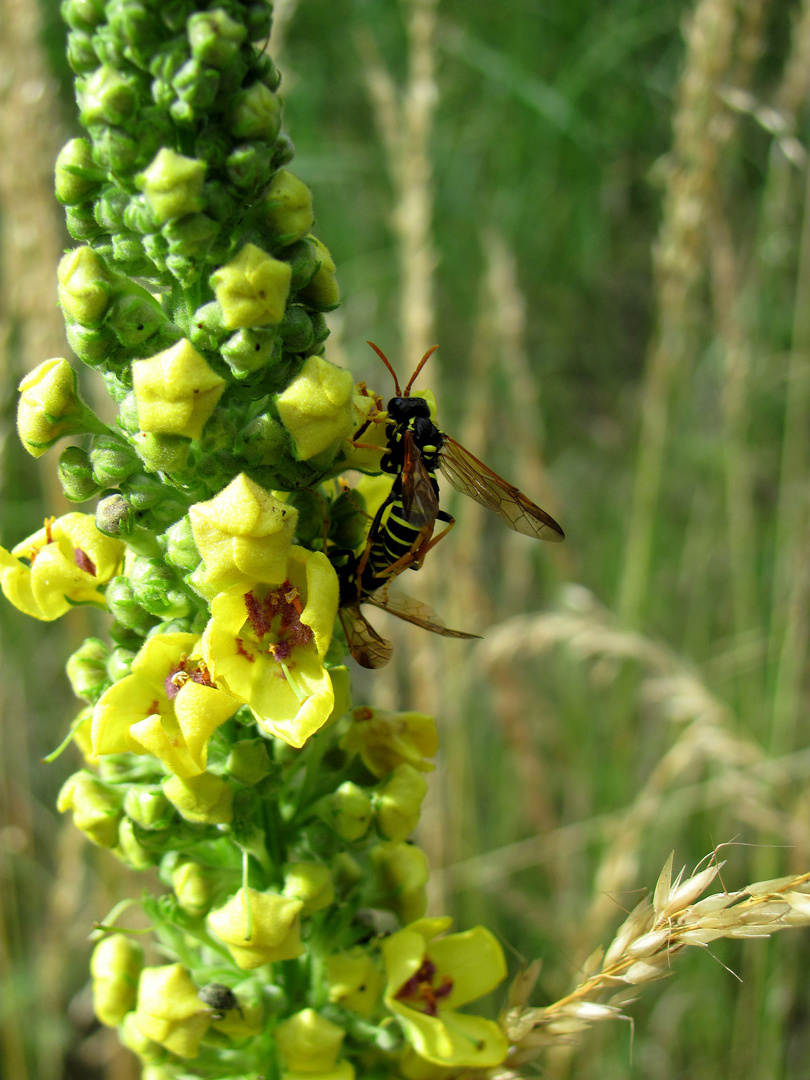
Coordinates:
column 316, row 407
column 243, row 534
column 50, row 407
column 69, row 559
column 175, row 391
column 169, row 707
column 385, row 740
column 354, row 980
column 252, row 289
column 266, row 646
column 429, row 980
column 259, row 927
column 172, row 185
column 169, row 1011
column 310, row 1045
column 374, row 435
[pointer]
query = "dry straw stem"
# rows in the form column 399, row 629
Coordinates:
column 701, row 128
column 741, row 778
column 405, row 122
column 644, row 947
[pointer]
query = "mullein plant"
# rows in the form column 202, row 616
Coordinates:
column 219, row 738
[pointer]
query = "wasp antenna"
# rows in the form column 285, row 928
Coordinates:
column 385, row 360
column 419, row 367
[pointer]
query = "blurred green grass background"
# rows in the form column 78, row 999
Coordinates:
column 598, row 211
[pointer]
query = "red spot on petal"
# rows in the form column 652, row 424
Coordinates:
column 84, row 562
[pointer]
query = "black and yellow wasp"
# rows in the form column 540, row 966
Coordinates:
column 402, row 531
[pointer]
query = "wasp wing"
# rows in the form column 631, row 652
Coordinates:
column 419, row 499
column 365, row 644
column 472, row 477
column 413, row 611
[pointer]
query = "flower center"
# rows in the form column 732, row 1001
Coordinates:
column 278, row 614
column 420, row 993
column 183, row 672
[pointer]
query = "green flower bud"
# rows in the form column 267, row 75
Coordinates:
column 87, row 670
column 212, row 145
column 398, row 802
column 194, row 888
column 155, row 587
column 85, row 286
column 205, row 799
column 214, row 37
column 264, row 71
column 128, row 254
column 252, row 288
column 220, row 202
column 283, row 151
column 258, row 20
column 82, row 14
column 162, row 453
column 131, row 850
column 96, row 809
column 181, row 551
column 139, row 215
column 172, row 185
column 119, row 664
column 296, row 330
column 250, row 166
column 347, row 522
column 247, row 351
column 249, row 762
column 346, row 873
column 77, row 175
column 303, row 259
column 141, row 30
column 190, row 236
column 50, row 407
column 128, row 414
column 143, row 492
column 110, row 207
column 156, row 249
column 148, row 807
column 322, row 292
column 81, row 222
column 264, row 441
column 115, row 149
column 76, row 475
column 286, row 211
column 81, row 55
column 107, row 97
column 311, row 883
column 112, row 460
column 255, row 114
column 311, row 511
column 207, row 328
column 109, row 48
column 134, row 318
column 115, row 966
column 124, row 608
column 196, row 88
column 95, row 345
column 347, row 810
